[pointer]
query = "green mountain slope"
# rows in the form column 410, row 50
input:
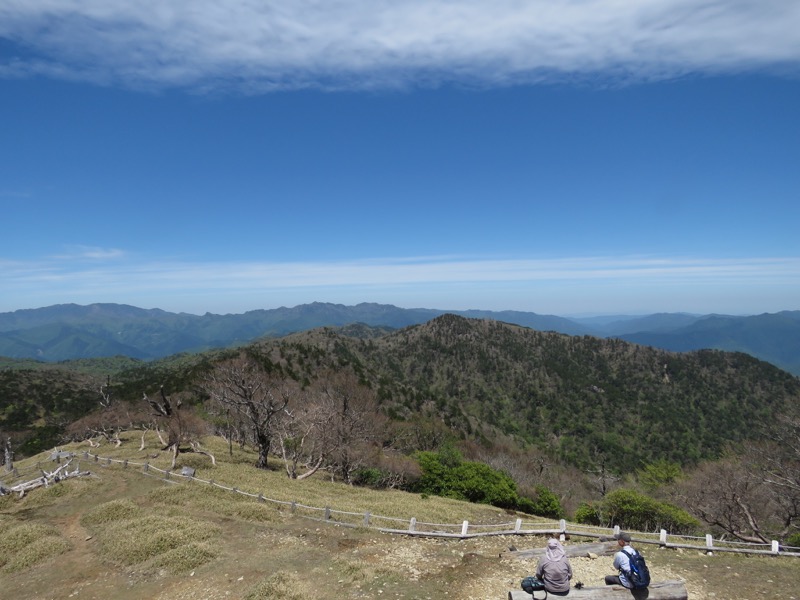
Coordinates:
column 587, row 401
column 771, row 337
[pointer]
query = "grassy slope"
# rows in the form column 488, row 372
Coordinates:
column 113, row 535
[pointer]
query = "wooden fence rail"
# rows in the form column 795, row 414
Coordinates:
column 463, row 530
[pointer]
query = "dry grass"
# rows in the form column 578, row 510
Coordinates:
column 281, row 586
column 126, row 535
column 237, row 471
column 207, row 499
column 130, row 535
column 23, row 545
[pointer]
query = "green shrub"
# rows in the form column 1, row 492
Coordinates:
column 631, row 510
column 587, row 514
column 660, row 473
column 368, row 477
column 465, row 480
column 543, row 503
column 793, row 540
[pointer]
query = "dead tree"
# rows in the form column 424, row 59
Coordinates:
column 254, row 393
column 45, row 480
column 301, row 438
column 182, row 428
column 8, row 455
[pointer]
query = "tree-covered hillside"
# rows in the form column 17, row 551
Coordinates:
column 591, row 402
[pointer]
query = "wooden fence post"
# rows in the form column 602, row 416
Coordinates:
column 412, row 524
column 327, row 513
column 146, row 467
column 662, row 538
column 776, row 547
column 366, row 519
column 294, row 506
column 464, row 527
column 709, row 544
column 562, row 525
column 517, row 525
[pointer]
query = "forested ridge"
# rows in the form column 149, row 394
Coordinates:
column 585, row 400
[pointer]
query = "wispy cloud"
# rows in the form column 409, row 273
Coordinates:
column 92, row 253
column 284, row 44
column 159, row 283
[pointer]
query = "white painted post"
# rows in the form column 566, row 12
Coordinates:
column 412, row 524
column 662, row 539
column 562, row 525
column 616, row 530
column 464, row 527
column 366, row 519
column 518, row 526
column 776, row 547
column 709, row 544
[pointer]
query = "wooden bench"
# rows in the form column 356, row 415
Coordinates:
column 662, row 590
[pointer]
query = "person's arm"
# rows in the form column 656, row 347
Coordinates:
column 540, row 569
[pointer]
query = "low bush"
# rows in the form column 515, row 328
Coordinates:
column 542, row 502
column 448, row 476
column 631, row 510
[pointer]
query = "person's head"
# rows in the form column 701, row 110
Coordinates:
column 554, row 550
column 623, row 538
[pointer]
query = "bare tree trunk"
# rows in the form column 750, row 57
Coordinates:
column 196, row 448
column 8, row 456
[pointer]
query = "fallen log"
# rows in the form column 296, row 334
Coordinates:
column 662, row 590
column 46, row 480
column 572, row 550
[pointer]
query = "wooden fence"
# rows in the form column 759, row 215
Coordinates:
column 463, row 530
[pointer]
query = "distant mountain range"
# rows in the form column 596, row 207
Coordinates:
column 70, row 331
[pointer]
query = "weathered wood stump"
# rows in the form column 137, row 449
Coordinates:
column 662, row 590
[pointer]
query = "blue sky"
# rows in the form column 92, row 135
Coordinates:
column 573, row 158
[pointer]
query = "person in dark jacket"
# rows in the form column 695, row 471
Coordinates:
column 554, row 569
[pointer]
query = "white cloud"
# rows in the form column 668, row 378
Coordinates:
column 450, row 282
column 257, row 46
column 94, row 253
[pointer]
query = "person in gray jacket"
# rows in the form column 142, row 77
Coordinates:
column 554, row 569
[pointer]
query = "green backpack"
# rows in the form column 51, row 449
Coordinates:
column 532, row 584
